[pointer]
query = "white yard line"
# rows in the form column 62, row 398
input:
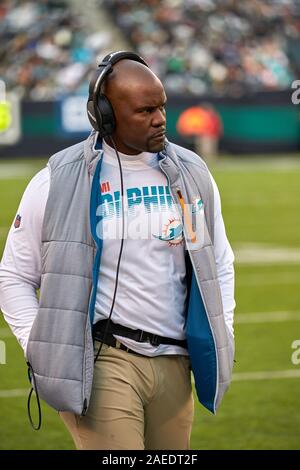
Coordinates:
column 267, row 375
column 273, row 278
column 260, row 163
column 253, row 317
column 17, row 392
column 238, row 377
column 266, row 254
column 17, row 170
column 245, row 318
column 267, row 317
column 250, row 254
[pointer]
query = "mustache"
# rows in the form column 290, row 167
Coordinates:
column 160, row 133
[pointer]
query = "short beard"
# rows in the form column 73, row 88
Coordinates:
column 155, row 148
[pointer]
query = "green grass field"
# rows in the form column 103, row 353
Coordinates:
column 260, row 200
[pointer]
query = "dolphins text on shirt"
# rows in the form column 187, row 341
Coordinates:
column 153, row 198
column 150, row 213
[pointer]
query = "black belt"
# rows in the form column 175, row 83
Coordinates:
column 110, row 340
column 140, row 336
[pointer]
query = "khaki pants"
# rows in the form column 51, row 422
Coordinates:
column 137, row 403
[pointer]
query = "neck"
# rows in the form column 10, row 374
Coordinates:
column 121, row 147
column 140, row 161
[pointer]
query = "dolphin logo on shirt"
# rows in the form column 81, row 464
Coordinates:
column 172, row 232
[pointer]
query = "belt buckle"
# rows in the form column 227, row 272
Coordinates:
column 149, row 338
column 154, row 340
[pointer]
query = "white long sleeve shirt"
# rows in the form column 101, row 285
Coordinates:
column 162, row 259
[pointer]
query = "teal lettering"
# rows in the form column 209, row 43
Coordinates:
column 106, row 208
column 169, row 197
column 134, row 198
column 162, row 197
column 150, row 199
column 118, row 203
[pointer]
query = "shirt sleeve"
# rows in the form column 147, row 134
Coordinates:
column 20, row 267
column 224, row 260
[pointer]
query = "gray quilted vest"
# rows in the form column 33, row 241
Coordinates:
column 60, row 346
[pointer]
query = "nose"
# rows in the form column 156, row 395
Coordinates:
column 159, row 118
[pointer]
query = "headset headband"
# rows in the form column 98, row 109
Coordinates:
column 100, row 112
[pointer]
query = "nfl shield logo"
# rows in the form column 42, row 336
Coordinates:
column 17, row 221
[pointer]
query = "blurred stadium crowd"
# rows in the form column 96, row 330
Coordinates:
column 220, row 47
column 46, row 50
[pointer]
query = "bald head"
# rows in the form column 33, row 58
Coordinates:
column 129, row 76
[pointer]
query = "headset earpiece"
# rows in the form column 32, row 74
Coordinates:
column 91, row 114
column 100, row 111
column 105, row 110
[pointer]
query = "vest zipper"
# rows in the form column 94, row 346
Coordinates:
column 193, row 238
column 178, row 190
column 88, row 322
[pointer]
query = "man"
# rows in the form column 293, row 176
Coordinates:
column 151, row 271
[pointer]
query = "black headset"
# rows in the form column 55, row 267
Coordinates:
column 102, row 118
column 99, row 109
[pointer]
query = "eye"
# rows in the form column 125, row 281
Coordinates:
column 150, row 110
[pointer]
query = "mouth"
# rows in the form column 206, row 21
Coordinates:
column 159, row 136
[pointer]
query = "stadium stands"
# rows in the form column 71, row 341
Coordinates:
column 214, row 46
column 46, row 49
